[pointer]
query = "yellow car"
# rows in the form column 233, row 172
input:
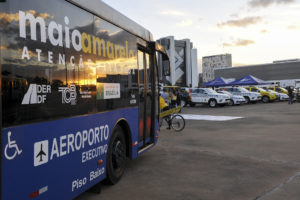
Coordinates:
column 279, row 89
column 266, row 96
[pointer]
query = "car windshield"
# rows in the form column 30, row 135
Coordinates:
column 209, row 91
column 284, row 90
column 242, row 89
column 224, row 92
column 261, row 90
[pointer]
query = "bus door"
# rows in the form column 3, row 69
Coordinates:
column 146, row 101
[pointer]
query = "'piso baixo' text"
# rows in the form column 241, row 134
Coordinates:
column 78, row 183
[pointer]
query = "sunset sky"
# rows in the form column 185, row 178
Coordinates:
column 253, row 31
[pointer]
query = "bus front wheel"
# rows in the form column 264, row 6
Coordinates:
column 116, row 156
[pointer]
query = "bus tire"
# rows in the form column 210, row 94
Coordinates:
column 116, row 156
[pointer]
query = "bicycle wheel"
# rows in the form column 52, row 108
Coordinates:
column 177, row 123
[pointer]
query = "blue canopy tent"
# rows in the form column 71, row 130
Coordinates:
column 248, row 80
column 218, row 82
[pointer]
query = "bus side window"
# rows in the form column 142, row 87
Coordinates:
column 118, row 70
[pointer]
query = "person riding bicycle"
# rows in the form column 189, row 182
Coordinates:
column 174, row 99
column 164, row 107
column 162, row 104
column 164, row 94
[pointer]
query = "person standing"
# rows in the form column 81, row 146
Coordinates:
column 164, row 95
column 179, row 97
column 291, row 94
column 174, row 98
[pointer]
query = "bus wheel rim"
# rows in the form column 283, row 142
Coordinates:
column 118, row 153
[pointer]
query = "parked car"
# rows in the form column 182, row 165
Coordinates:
column 282, row 96
column 234, row 99
column 297, row 94
column 266, row 95
column 208, row 96
column 252, row 97
column 278, row 89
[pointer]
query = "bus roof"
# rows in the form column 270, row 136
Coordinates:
column 104, row 11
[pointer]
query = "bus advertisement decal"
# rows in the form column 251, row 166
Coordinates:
column 68, row 155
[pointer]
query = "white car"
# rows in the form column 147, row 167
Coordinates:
column 252, row 97
column 234, row 99
column 281, row 96
column 208, row 96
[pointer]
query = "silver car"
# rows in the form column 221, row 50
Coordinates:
column 234, row 99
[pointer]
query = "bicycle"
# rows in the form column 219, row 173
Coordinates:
column 173, row 119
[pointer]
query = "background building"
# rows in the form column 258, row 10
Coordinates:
column 200, row 84
column 183, row 61
column 211, row 63
column 284, row 72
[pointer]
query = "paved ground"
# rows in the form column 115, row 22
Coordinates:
column 256, row 157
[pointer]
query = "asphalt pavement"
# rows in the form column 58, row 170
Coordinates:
column 256, row 157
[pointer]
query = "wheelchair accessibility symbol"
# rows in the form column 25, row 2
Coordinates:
column 11, row 149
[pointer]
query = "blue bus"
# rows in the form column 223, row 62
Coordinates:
column 79, row 96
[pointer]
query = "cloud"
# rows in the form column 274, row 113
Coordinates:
column 185, row 23
column 6, row 19
column 293, row 27
column 172, row 13
column 266, row 3
column 264, row 31
column 234, row 15
column 239, row 43
column 244, row 22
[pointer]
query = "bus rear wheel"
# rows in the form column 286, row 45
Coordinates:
column 116, row 156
